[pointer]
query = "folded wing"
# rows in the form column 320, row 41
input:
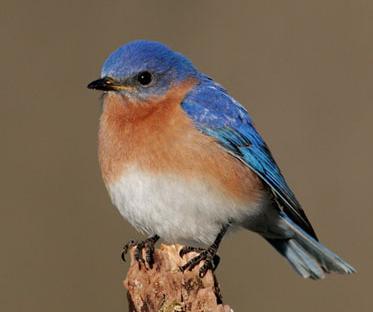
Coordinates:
column 218, row 115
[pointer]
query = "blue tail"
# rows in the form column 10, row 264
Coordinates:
column 307, row 256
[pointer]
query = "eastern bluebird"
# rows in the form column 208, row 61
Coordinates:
column 182, row 160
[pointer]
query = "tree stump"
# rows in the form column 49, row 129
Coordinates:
column 165, row 288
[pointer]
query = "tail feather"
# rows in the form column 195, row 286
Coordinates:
column 307, row 256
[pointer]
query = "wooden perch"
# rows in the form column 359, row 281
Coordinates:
column 166, row 289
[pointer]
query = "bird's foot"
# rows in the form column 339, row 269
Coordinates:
column 147, row 245
column 208, row 255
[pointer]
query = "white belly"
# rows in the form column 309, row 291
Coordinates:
column 178, row 210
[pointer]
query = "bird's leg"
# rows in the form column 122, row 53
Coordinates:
column 147, row 244
column 208, row 255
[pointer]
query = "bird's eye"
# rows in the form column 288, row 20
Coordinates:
column 144, row 78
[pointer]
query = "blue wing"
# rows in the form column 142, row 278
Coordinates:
column 218, row 115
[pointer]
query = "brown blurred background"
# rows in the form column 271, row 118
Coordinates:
column 303, row 69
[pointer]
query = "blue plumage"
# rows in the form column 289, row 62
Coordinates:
column 217, row 114
column 167, row 67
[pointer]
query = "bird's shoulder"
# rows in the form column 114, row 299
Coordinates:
column 209, row 103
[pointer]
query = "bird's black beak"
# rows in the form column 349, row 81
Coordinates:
column 106, row 84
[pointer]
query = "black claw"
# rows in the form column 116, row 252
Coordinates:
column 138, row 254
column 209, row 256
column 123, row 255
column 203, row 270
column 216, row 261
column 126, row 248
column 211, row 263
column 150, row 255
column 148, row 245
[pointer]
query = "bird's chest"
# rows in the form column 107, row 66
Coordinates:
column 150, row 136
column 166, row 177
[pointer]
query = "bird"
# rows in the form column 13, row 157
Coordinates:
column 182, row 161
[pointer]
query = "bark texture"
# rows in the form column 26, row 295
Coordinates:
column 165, row 288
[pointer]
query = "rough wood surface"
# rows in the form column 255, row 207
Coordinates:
column 165, row 288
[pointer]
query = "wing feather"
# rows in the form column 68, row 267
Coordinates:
column 218, row 115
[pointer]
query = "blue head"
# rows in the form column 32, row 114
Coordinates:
column 142, row 69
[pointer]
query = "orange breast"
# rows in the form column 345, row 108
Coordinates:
column 158, row 137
